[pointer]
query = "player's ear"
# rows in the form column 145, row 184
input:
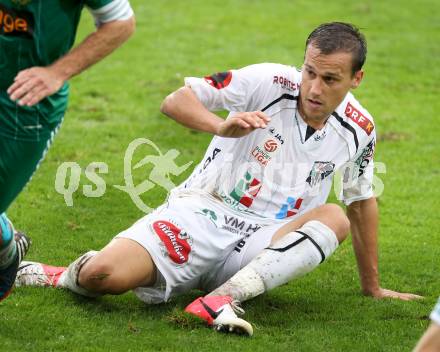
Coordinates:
column 357, row 79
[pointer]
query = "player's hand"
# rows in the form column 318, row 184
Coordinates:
column 384, row 293
column 34, row 84
column 242, row 124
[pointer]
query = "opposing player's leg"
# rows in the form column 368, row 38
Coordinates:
column 18, row 161
column 8, row 257
column 119, row 267
column 294, row 250
column 13, row 247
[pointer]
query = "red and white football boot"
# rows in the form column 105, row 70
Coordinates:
column 220, row 313
column 38, row 274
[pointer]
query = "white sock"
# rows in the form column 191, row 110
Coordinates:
column 292, row 256
column 69, row 279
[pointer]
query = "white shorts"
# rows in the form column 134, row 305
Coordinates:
column 197, row 242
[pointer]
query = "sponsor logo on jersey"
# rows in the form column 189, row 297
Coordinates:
column 319, row 171
column 365, row 158
column 361, row 120
column 209, row 159
column 277, row 135
column 21, row 2
column 18, row 23
column 285, row 83
column 210, row 214
column 219, row 80
column 290, row 208
column 233, row 204
column 176, row 242
column 246, row 190
column 263, row 153
column 239, row 226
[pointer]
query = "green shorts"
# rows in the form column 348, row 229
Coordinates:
column 18, row 161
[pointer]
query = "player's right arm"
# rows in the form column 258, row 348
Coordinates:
column 184, row 107
column 115, row 24
column 237, row 91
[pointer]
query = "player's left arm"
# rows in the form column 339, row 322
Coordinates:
column 36, row 83
column 364, row 219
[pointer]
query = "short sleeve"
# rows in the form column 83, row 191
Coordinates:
column 234, row 90
column 358, row 174
column 109, row 10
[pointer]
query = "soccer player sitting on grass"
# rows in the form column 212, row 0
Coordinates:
column 252, row 216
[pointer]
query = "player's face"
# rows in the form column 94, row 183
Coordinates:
column 325, row 82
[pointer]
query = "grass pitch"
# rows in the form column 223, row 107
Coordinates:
column 118, row 101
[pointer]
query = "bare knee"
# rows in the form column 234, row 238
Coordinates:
column 335, row 218
column 98, row 276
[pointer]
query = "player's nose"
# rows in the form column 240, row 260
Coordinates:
column 316, row 88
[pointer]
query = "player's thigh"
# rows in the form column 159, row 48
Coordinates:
column 124, row 262
column 18, row 161
column 331, row 215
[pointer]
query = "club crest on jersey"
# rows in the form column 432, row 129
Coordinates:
column 263, row 153
column 246, row 190
column 176, row 243
column 290, row 208
column 361, row 120
column 319, row 171
column 219, row 80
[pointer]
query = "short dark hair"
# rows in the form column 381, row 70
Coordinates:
column 335, row 37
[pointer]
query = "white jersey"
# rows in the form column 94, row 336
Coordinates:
column 285, row 169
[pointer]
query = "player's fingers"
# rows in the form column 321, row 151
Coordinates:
column 21, row 78
column 30, row 99
column 411, row 296
column 33, row 96
column 402, row 296
column 253, row 120
column 263, row 116
column 14, row 86
column 19, row 81
column 21, row 91
column 23, row 75
column 241, row 123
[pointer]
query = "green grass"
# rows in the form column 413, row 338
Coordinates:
column 118, row 100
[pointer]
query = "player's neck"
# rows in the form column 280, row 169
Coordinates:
column 317, row 124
